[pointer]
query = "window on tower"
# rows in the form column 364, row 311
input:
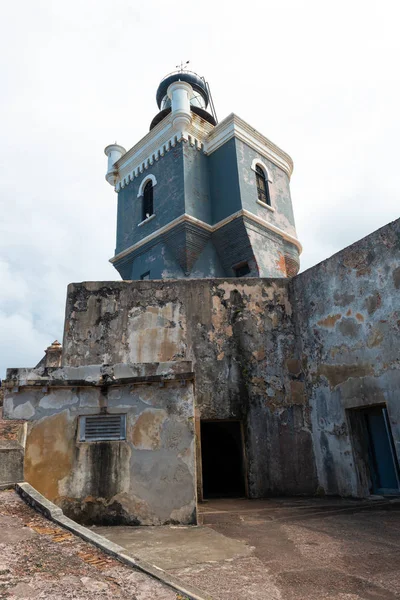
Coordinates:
column 147, row 209
column 262, row 186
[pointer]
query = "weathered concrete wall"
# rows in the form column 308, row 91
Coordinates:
column 12, row 440
column 289, row 359
column 241, row 339
column 347, row 310
column 148, row 479
column 11, row 461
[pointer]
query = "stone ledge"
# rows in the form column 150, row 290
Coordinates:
column 54, row 513
column 99, row 375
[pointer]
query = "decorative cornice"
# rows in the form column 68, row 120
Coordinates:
column 155, row 144
column 234, row 126
column 185, row 218
column 201, row 135
column 98, row 375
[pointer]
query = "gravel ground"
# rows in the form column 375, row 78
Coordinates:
column 41, row 560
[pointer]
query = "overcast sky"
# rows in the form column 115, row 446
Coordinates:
column 320, row 79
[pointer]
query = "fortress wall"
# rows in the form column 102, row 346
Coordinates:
column 240, row 336
column 347, row 313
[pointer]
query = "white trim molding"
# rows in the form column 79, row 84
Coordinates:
column 199, row 134
column 146, row 220
column 257, row 161
column 156, row 144
column 149, row 177
column 266, row 205
column 234, row 126
column 185, row 218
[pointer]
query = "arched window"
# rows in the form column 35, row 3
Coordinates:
column 147, row 200
column 262, row 186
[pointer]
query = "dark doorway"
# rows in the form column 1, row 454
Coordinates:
column 222, row 459
column 376, row 446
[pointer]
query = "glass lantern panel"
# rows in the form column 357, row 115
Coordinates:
column 197, row 99
column 166, row 103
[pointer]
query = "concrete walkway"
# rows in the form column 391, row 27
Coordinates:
column 280, row 549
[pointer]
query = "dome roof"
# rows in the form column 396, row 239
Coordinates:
column 197, row 83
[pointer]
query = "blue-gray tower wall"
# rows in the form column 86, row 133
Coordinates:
column 281, row 200
column 169, row 200
column 197, row 184
column 211, row 189
column 224, row 181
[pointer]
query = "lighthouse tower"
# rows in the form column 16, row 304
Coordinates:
column 200, row 199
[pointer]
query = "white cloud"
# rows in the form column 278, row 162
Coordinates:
column 318, row 79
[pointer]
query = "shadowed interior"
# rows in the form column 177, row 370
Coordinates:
column 222, row 459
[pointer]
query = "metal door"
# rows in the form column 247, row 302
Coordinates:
column 383, row 460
